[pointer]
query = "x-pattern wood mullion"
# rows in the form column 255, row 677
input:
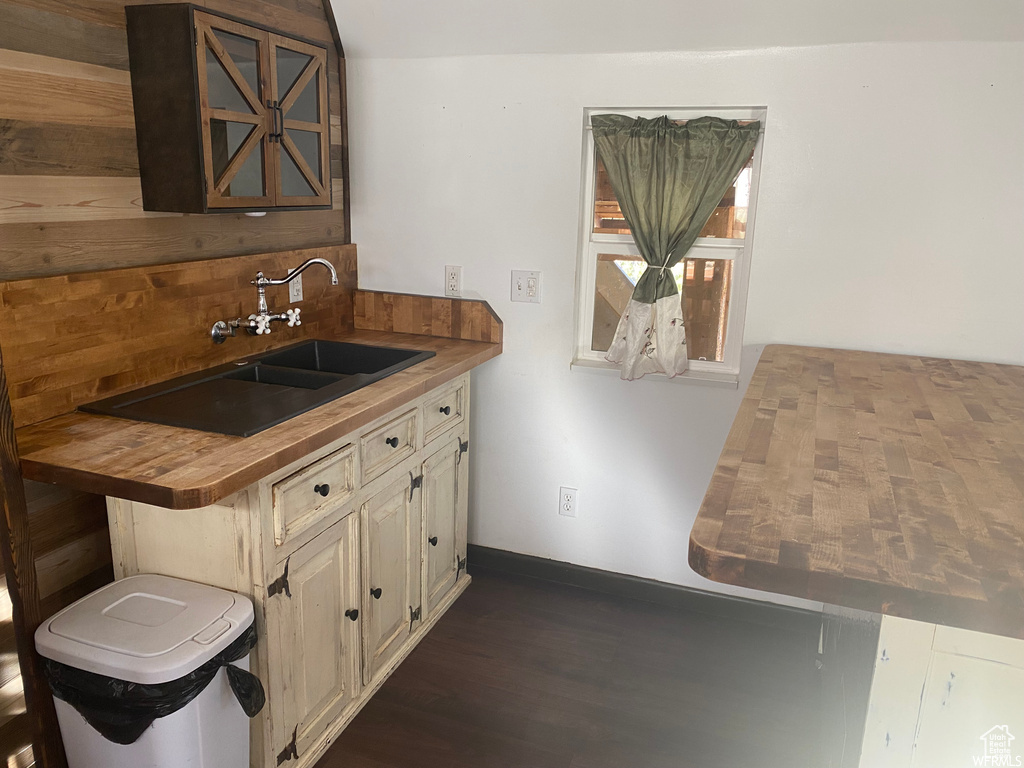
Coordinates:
column 239, row 159
column 232, row 70
column 302, row 165
column 311, row 70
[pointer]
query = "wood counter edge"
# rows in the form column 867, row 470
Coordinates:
column 192, row 497
column 997, row 618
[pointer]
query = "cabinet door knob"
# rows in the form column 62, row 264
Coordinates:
column 447, row 410
column 392, row 441
column 375, row 593
column 323, row 490
column 352, row 613
column 433, row 541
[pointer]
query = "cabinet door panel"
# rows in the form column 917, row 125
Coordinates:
column 232, row 62
column 442, row 497
column 317, row 645
column 299, row 80
column 391, row 572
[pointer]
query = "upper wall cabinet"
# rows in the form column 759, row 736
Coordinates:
column 228, row 116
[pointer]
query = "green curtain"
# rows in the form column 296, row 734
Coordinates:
column 668, row 178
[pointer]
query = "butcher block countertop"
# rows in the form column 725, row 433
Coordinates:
column 183, row 468
column 888, row 483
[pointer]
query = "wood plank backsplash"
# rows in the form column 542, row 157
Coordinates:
column 71, row 339
column 70, row 195
column 467, row 319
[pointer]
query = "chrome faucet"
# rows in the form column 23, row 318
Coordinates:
column 259, row 322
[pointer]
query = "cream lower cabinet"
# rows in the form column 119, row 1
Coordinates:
column 391, row 573
column 944, row 697
column 313, row 634
column 445, row 495
column 349, row 555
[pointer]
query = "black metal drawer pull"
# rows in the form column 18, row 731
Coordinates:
column 392, row 441
column 447, row 410
column 433, row 541
column 352, row 613
column 323, row 490
column 375, row 593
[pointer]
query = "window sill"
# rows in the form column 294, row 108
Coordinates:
column 699, row 378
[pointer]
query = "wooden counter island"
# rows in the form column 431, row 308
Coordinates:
column 891, row 484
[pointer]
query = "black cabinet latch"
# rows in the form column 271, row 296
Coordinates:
column 414, row 483
column 291, row 751
column 280, row 584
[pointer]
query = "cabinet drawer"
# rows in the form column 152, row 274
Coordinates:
column 303, row 498
column 385, row 446
column 442, row 412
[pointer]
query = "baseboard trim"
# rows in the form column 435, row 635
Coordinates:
column 636, row 588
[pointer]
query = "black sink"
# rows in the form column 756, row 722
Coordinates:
column 253, row 394
column 283, row 377
column 341, row 357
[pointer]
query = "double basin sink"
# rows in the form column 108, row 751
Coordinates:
column 250, row 395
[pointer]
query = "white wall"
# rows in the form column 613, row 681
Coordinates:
column 892, row 197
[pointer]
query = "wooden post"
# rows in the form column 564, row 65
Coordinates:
column 19, row 565
column 332, row 22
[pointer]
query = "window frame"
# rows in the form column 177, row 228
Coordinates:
column 739, row 251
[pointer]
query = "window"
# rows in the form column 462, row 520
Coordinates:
column 712, row 279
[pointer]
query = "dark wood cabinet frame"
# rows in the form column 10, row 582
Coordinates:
column 166, row 45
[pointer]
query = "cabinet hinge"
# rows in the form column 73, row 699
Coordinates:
column 414, row 615
column 461, row 561
column 463, row 446
column 414, row 483
column 280, row 584
column 290, row 751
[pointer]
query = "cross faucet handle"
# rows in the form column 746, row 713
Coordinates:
column 262, row 323
column 293, row 317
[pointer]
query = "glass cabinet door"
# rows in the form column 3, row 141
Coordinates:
column 302, row 159
column 237, row 119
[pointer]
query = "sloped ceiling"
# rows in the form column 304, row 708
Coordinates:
column 427, row 28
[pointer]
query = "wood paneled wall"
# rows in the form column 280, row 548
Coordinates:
column 71, row 201
column 70, row 196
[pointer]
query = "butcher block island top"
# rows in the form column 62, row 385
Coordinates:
column 887, row 483
column 184, row 468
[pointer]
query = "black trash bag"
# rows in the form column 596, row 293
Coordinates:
column 122, row 710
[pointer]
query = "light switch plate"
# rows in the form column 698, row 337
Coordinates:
column 526, row 286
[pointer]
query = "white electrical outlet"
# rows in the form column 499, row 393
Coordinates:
column 526, row 286
column 567, row 498
column 295, row 288
column 452, row 280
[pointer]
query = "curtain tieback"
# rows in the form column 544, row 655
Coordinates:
column 654, row 266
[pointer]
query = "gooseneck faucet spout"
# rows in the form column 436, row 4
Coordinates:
column 261, row 282
column 259, row 322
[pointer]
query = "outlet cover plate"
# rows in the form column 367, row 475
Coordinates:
column 567, row 499
column 452, row 280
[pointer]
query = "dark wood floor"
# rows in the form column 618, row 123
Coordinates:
column 527, row 674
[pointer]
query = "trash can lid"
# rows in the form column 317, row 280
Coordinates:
column 146, row 628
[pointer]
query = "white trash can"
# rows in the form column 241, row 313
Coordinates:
column 158, row 632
